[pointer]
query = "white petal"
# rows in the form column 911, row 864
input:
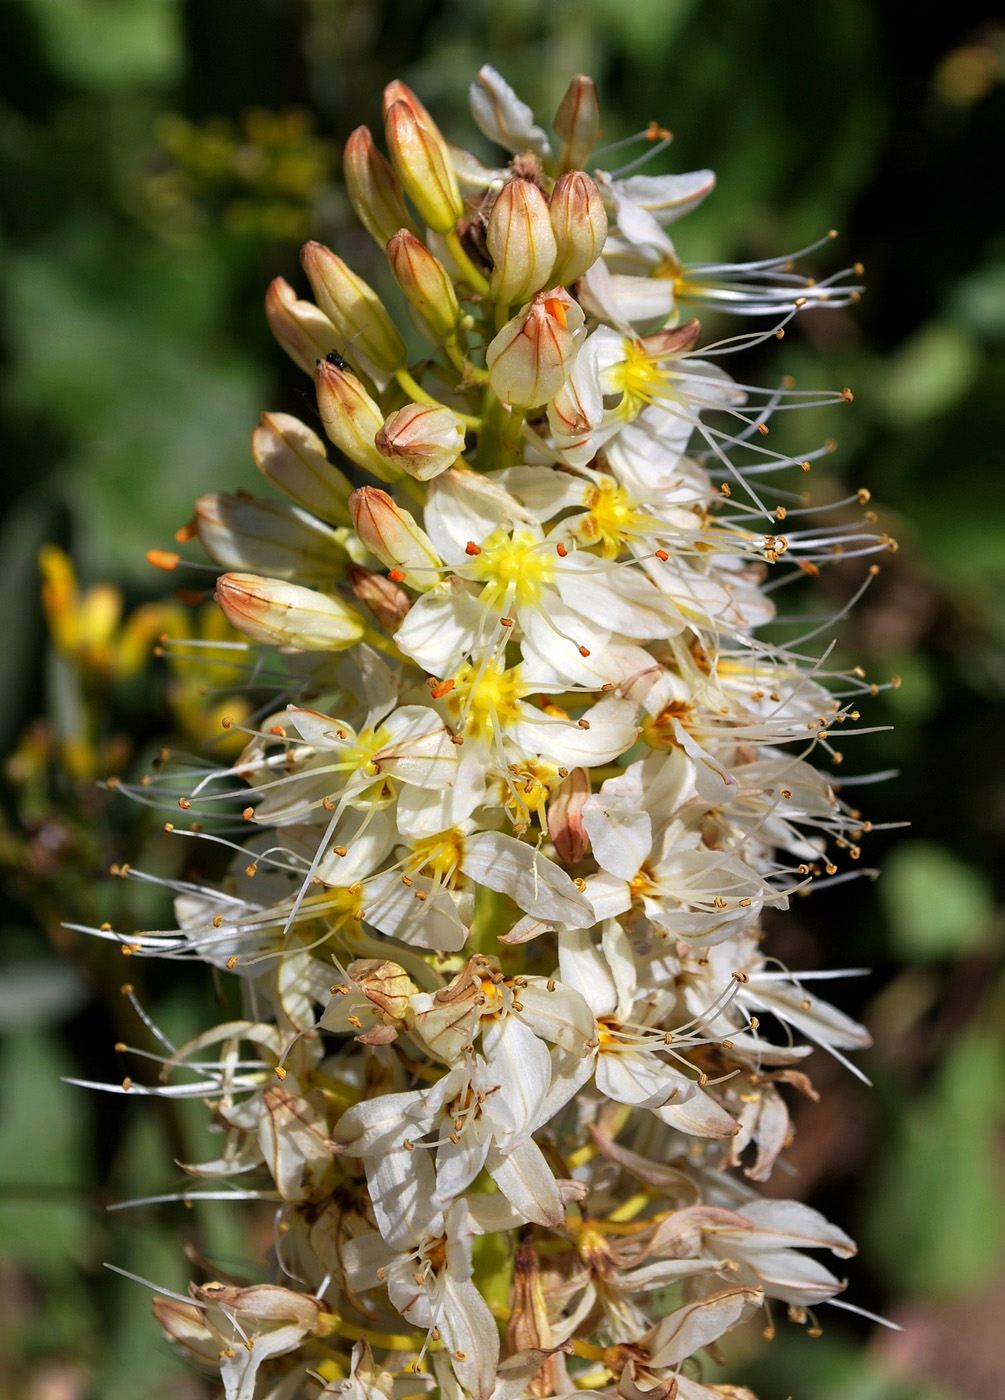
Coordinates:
column 584, row 968
column 503, row 117
column 441, row 628
column 535, row 883
column 526, row 1180
column 620, row 832
column 683, row 1332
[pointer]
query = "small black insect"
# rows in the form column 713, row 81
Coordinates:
column 334, row 358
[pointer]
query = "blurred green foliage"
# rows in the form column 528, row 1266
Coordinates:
column 159, row 161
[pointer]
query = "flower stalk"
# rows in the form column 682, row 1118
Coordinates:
column 514, row 1053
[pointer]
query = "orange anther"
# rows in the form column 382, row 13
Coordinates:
column 163, row 558
column 471, row 548
column 444, row 688
column 397, row 575
column 556, row 307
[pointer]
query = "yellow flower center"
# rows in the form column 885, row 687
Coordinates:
column 486, row 697
column 439, row 856
column 612, row 518
column 516, row 567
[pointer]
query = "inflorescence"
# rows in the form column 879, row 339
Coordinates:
column 521, row 782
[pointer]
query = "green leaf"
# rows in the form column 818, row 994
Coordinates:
column 937, row 906
column 936, row 1222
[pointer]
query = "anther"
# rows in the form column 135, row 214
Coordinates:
column 328, row 804
column 444, row 688
column 561, row 551
column 184, row 533
column 584, row 651
column 662, row 554
column 232, row 962
column 505, row 622
column 340, row 850
column 163, row 559
column 121, row 1047
column 184, row 804
column 583, row 723
column 280, row 1073
column 396, row 575
column 251, row 870
column 763, row 429
column 248, row 813
column 472, row 549
column 218, row 921
column 127, row 1084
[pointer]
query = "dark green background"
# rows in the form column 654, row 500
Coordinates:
column 136, row 361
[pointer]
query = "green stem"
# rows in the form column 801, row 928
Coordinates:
column 467, row 268
column 417, row 394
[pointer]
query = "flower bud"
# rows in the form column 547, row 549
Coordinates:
column 579, row 220
column 351, row 418
column 421, row 161
column 521, row 241
column 565, row 816
column 577, row 121
column 304, row 332
column 529, row 359
column 388, row 603
column 373, row 188
column 292, row 458
column 395, row 537
column 284, row 614
column 268, row 537
column 425, row 282
column 369, row 334
column 421, row 439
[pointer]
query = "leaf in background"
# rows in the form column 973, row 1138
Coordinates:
column 936, row 1219
column 114, row 44
column 937, row 906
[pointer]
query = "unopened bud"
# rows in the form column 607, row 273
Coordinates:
column 386, row 600
column 565, row 816
column 421, row 161
column 304, row 332
column 351, row 418
column 422, row 439
column 395, row 537
column 577, row 121
column 426, row 283
column 284, row 614
column 292, row 458
column 579, row 220
column 268, row 537
column 529, row 359
column 373, row 188
column 356, row 311
column 521, row 242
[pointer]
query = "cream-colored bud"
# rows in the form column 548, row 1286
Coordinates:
column 579, row 220
column 577, row 121
column 292, row 458
column 529, row 359
column 521, row 241
column 284, row 614
column 357, row 312
column 351, row 418
column 268, row 537
column 395, row 537
column 304, row 331
column 422, row 163
column 388, row 603
column 426, row 283
column 373, row 188
column 422, row 439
